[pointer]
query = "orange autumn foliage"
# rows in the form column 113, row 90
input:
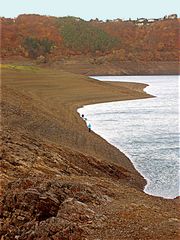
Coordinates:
column 158, row 41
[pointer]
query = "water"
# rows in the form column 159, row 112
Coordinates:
column 146, row 130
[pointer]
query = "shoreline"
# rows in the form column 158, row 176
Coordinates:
column 87, row 111
column 141, row 87
column 56, row 175
column 69, row 101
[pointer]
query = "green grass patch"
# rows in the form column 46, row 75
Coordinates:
column 19, row 67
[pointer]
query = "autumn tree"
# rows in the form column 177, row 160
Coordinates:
column 118, row 40
column 37, row 47
column 81, row 36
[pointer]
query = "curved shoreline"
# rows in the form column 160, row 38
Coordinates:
column 140, row 87
column 51, row 163
column 70, row 92
column 91, row 111
column 132, row 86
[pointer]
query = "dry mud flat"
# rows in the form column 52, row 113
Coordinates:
column 60, row 182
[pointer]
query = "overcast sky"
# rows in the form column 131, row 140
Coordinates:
column 87, row 9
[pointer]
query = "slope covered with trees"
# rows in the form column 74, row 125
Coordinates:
column 55, row 38
column 158, row 41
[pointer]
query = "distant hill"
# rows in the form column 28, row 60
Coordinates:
column 53, row 38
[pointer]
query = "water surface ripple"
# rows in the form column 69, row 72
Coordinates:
column 146, row 130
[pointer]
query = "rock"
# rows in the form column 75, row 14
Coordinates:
column 20, row 218
column 41, row 59
column 49, row 197
column 173, row 220
column 32, row 191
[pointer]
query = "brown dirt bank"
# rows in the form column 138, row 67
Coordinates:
column 56, row 95
column 60, row 182
column 101, row 67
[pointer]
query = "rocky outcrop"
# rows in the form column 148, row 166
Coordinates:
column 51, row 192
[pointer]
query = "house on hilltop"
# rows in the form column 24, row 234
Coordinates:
column 171, row 16
column 141, row 21
column 152, row 20
column 144, row 21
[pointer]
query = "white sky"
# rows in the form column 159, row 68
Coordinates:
column 87, row 9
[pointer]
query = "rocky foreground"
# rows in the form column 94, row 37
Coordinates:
column 56, row 182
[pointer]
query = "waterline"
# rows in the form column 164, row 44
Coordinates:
column 145, row 130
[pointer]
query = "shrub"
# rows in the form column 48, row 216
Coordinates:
column 79, row 35
column 37, row 47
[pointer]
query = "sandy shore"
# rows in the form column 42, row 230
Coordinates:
column 49, row 154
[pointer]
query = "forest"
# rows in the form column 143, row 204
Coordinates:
column 33, row 36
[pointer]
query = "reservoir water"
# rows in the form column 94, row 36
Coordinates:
column 146, row 130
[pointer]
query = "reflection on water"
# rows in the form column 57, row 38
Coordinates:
column 145, row 130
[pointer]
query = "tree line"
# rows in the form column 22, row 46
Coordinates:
column 35, row 35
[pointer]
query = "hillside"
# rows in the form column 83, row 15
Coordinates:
column 60, row 40
column 58, row 180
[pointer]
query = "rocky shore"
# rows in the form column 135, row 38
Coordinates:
column 61, row 182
